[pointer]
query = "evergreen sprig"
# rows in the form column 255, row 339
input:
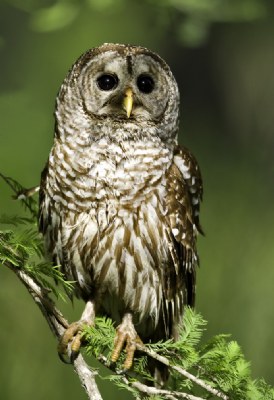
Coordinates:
column 22, row 246
column 100, row 337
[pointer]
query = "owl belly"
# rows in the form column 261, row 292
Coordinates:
column 110, row 234
column 118, row 258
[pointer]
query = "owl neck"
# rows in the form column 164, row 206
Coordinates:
column 117, row 133
column 73, row 123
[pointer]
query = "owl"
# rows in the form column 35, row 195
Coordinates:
column 119, row 198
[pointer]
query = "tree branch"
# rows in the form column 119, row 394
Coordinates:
column 58, row 324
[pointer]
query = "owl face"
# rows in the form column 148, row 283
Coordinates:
column 122, row 86
column 125, row 85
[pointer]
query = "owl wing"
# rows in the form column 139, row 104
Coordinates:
column 184, row 194
column 49, row 223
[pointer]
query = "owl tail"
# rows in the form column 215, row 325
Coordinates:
column 159, row 372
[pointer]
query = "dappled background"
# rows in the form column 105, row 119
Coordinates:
column 222, row 54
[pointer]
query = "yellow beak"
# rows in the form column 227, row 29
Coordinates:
column 128, row 101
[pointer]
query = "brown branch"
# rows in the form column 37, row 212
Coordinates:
column 58, row 324
column 152, row 391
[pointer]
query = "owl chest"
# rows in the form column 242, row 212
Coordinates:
column 80, row 180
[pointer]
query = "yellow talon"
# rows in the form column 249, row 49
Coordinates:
column 70, row 342
column 127, row 336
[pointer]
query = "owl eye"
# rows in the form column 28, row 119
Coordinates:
column 107, row 82
column 145, row 83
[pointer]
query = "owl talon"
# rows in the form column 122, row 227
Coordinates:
column 72, row 339
column 126, row 335
column 70, row 343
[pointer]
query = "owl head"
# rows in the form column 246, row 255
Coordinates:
column 115, row 90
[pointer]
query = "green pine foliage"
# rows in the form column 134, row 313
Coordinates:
column 21, row 245
column 100, row 337
column 219, row 363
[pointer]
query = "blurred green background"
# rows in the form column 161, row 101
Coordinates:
column 222, row 54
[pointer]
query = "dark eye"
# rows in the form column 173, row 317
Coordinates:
column 107, row 81
column 145, row 83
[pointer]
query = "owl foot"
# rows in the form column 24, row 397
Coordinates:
column 70, row 342
column 72, row 339
column 126, row 335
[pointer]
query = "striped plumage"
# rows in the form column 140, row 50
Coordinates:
column 119, row 199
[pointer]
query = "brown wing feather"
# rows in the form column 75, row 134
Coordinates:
column 192, row 175
column 182, row 202
column 184, row 193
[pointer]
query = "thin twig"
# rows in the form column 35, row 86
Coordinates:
column 169, row 394
column 58, row 324
column 148, row 390
column 20, row 193
column 182, row 372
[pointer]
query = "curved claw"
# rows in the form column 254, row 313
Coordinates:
column 72, row 339
column 70, row 343
column 126, row 335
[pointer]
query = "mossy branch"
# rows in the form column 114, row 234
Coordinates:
column 216, row 370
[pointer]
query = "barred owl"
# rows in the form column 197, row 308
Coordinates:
column 119, row 198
